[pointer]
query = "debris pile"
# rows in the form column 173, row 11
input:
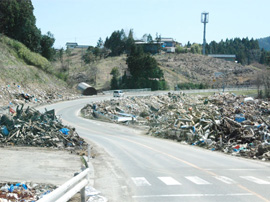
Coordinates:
column 224, row 121
column 27, row 192
column 30, row 127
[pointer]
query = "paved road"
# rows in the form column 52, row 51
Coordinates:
column 136, row 167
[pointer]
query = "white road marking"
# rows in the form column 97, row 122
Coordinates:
column 225, row 179
column 169, row 181
column 254, row 179
column 197, row 180
column 140, row 181
column 193, row 195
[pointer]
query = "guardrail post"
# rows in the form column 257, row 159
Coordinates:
column 69, row 189
column 89, row 152
column 83, row 194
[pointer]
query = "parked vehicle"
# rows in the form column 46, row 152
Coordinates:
column 118, row 93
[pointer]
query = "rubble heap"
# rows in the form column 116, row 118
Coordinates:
column 28, row 192
column 30, row 127
column 15, row 94
column 226, row 122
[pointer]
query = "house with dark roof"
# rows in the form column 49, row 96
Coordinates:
column 73, row 45
column 152, row 47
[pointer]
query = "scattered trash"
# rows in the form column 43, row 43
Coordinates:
column 15, row 94
column 94, row 195
column 27, row 192
column 221, row 122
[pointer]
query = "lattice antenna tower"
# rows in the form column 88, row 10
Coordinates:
column 204, row 20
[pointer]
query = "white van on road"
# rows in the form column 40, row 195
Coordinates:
column 118, row 93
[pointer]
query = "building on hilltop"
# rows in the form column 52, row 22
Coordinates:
column 169, row 44
column 73, row 45
column 154, row 47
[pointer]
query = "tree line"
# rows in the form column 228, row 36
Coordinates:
column 247, row 51
column 18, row 22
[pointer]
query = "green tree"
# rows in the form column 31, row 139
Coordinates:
column 116, row 43
column 129, row 41
column 18, row 22
column 149, row 38
column 144, row 70
column 46, row 43
column 60, row 55
column 68, row 53
column 9, row 17
column 115, row 79
column 100, row 43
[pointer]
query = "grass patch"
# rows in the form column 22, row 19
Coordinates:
column 23, row 53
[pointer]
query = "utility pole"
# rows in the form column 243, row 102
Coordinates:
column 204, row 20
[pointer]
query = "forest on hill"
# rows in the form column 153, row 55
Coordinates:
column 264, row 43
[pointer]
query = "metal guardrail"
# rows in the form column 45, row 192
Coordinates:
column 69, row 189
column 128, row 90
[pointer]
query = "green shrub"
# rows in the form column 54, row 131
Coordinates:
column 187, row 86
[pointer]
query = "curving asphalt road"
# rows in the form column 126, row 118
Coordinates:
column 130, row 166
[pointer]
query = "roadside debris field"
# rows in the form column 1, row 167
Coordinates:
column 226, row 122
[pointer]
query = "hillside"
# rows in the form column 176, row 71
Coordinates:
column 264, row 43
column 17, row 76
column 203, row 69
column 177, row 68
column 24, row 72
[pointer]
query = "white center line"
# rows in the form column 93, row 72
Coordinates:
column 140, row 181
column 254, row 179
column 225, row 179
column 197, row 180
column 169, row 181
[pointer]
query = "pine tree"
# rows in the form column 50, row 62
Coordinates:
column 144, row 70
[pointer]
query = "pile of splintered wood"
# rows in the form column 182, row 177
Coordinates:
column 223, row 121
column 30, row 127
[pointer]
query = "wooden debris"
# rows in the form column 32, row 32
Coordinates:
column 218, row 122
column 31, row 128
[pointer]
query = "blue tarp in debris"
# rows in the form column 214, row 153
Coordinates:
column 64, row 131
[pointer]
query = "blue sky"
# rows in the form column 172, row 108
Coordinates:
column 85, row 21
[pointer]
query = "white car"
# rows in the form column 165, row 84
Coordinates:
column 118, row 93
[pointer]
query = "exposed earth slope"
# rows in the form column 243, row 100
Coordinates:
column 177, row 68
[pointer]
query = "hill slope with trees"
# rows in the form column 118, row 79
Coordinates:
column 264, row 43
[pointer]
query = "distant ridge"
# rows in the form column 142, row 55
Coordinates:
column 264, row 43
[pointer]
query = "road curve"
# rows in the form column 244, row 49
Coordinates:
column 141, row 168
